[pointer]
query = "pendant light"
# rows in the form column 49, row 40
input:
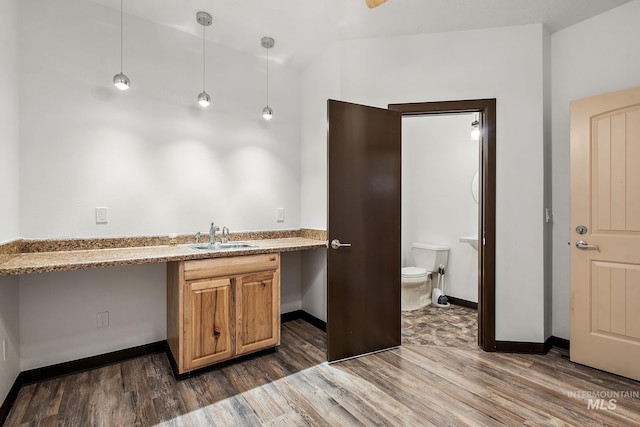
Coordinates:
column 267, row 43
column 475, row 129
column 205, row 20
column 120, row 80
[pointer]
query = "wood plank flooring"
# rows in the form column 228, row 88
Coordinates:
column 413, row 385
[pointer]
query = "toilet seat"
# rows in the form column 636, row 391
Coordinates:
column 413, row 272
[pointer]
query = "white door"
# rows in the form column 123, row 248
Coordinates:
column 605, row 232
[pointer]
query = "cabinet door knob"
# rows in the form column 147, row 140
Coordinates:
column 216, row 333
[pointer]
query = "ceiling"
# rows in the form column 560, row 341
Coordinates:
column 302, row 28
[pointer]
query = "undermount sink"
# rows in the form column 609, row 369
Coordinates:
column 471, row 240
column 221, row 246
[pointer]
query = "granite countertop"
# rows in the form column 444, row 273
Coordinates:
column 64, row 260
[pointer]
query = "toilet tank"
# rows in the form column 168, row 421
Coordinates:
column 430, row 256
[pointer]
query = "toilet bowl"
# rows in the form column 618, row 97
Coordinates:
column 416, row 288
column 417, row 281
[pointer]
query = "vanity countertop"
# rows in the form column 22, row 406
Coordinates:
column 64, row 260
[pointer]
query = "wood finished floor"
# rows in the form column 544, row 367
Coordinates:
column 413, row 385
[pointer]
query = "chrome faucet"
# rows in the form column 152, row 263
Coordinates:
column 212, row 233
column 225, row 235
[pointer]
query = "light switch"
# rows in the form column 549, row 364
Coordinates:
column 280, row 215
column 101, row 216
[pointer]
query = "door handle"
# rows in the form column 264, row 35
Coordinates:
column 335, row 244
column 581, row 244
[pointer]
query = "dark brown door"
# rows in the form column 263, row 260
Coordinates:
column 364, row 168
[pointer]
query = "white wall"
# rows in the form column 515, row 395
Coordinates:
column 290, row 279
column 9, row 190
column 502, row 63
column 9, row 122
column 58, row 312
column 548, row 189
column 320, row 82
column 597, row 56
column 313, row 291
column 9, row 333
column 158, row 161
column 439, row 161
column 151, row 155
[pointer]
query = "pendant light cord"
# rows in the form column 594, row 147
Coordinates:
column 267, row 77
column 204, row 59
column 121, row 38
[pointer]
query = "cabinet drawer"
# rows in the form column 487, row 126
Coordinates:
column 206, row 268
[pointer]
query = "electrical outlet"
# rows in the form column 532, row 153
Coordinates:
column 279, row 214
column 102, row 319
column 102, row 215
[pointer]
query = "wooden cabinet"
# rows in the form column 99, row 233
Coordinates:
column 257, row 317
column 208, row 322
column 221, row 308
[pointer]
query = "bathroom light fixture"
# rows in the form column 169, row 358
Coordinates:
column 475, row 129
column 205, row 20
column 267, row 43
column 120, row 80
column 374, row 3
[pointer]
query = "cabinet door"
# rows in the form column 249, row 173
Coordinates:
column 258, row 311
column 208, row 322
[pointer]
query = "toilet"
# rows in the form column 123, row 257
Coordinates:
column 417, row 280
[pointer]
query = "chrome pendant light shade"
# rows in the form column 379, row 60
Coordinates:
column 120, row 80
column 267, row 43
column 267, row 113
column 204, row 99
column 204, row 19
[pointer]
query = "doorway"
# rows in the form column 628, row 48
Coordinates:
column 440, row 209
column 486, row 109
column 363, row 260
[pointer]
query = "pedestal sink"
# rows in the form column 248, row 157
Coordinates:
column 472, row 240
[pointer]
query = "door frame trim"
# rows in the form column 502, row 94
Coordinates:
column 486, row 109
